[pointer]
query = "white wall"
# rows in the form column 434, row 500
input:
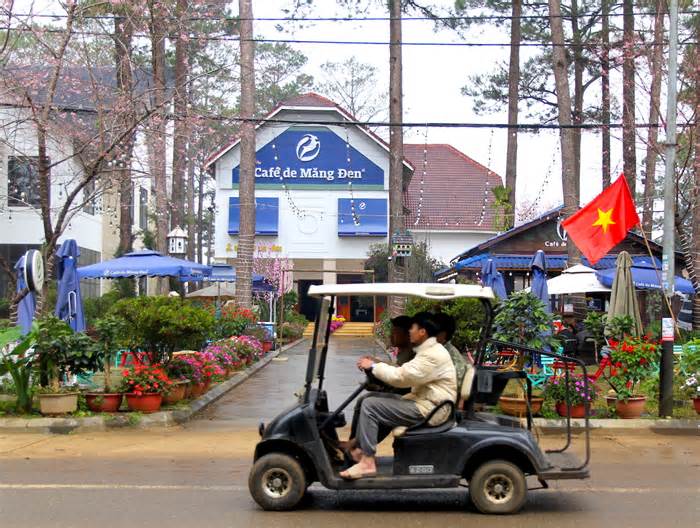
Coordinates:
column 23, row 225
column 446, row 245
column 315, row 234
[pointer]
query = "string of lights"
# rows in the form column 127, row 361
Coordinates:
column 482, row 214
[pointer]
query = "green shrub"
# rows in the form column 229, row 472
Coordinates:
column 467, row 313
column 97, row 307
column 523, row 319
column 4, row 308
column 161, row 325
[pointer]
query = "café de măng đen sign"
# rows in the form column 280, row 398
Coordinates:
column 312, row 157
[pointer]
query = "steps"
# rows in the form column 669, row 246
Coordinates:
column 348, row 329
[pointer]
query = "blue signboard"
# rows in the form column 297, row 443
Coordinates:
column 312, row 157
column 370, row 217
column 266, row 216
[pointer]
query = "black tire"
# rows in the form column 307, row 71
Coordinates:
column 277, row 482
column 498, row 487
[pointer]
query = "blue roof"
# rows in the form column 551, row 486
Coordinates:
column 554, row 262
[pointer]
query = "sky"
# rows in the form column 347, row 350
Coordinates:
column 432, row 80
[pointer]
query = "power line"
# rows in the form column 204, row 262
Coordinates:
column 446, row 18
column 229, row 38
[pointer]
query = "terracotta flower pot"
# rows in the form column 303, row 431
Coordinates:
column 631, row 408
column 176, row 393
column 696, row 404
column 101, row 402
column 197, row 389
column 267, row 346
column 518, row 406
column 611, row 401
column 188, row 390
column 577, row 411
column 145, row 403
column 62, row 403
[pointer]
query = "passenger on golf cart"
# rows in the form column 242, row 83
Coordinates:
column 430, row 375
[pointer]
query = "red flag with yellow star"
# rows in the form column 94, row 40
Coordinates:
column 604, row 222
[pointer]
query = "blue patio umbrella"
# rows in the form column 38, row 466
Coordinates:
column 645, row 277
column 69, row 303
column 145, row 263
column 491, row 277
column 27, row 306
column 538, row 286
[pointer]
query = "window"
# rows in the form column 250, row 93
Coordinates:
column 143, row 208
column 23, row 181
column 89, row 197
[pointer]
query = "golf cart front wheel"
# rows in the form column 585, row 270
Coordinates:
column 277, row 482
column 498, row 487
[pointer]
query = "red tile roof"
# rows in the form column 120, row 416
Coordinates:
column 454, row 189
column 309, row 99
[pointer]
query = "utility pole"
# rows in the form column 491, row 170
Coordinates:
column 668, row 265
column 396, row 223
column 246, row 182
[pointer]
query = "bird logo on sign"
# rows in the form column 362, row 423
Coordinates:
column 308, row 148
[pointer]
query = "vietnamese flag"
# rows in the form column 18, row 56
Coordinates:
column 604, row 222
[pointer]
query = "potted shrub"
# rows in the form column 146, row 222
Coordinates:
column 18, row 363
column 109, row 330
column 690, row 370
column 144, row 386
column 576, row 393
column 60, row 350
column 180, row 374
column 635, row 359
column 522, row 319
column 232, row 321
column 204, row 368
column 225, row 354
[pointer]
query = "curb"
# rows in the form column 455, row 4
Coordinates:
column 608, row 425
column 132, row 420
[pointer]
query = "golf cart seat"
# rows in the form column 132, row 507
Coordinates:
column 424, row 426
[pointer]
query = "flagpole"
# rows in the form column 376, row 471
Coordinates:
column 668, row 263
column 658, row 277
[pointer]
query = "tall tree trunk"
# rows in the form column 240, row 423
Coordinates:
column 123, row 37
column 577, row 115
column 246, row 187
column 190, row 220
column 396, row 218
column 695, row 195
column 177, row 217
column 200, row 213
column 654, row 111
column 513, row 97
column 568, row 157
column 605, row 90
column 629, row 155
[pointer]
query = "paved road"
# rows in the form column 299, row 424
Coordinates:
column 196, row 475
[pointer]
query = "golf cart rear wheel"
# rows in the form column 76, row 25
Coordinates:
column 277, row 482
column 498, row 487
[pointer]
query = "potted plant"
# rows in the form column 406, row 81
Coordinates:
column 225, row 354
column 576, row 393
column 522, row 319
column 690, row 370
column 18, row 362
column 180, row 374
column 144, row 386
column 109, row 329
column 635, row 359
column 60, row 350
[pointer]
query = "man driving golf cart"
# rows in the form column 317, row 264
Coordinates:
column 432, row 379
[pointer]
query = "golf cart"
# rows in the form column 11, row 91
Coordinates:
column 492, row 454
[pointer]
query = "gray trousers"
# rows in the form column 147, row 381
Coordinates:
column 383, row 412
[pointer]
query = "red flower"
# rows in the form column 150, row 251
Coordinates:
column 138, row 393
column 618, row 364
column 642, row 361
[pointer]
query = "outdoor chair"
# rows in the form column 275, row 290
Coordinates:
column 537, row 379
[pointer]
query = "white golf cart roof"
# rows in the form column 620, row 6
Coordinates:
column 416, row 289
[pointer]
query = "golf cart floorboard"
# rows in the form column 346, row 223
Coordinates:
column 559, row 467
column 398, row 482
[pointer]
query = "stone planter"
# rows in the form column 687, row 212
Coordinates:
column 518, row 406
column 62, row 403
column 577, row 411
column 177, row 393
column 145, row 403
column 101, row 402
column 632, row 408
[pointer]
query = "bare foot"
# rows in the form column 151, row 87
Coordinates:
column 366, row 467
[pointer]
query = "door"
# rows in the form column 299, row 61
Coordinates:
column 308, row 306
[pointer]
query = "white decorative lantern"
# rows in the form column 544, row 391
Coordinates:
column 177, row 242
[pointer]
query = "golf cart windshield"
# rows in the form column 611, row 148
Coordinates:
column 328, row 292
